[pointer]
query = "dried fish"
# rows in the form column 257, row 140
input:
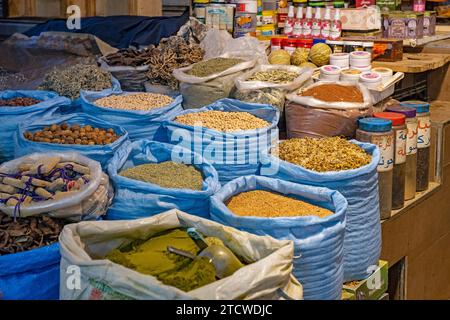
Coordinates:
column 274, row 76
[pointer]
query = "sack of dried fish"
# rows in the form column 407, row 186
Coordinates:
column 207, row 81
column 79, row 132
column 10, row 117
column 60, row 185
column 265, row 275
column 141, row 121
column 149, row 191
column 358, row 184
column 327, row 110
column 236, row 151
column 313, row 217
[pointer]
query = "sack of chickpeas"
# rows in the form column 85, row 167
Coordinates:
column 87, row 135
column 140, row 113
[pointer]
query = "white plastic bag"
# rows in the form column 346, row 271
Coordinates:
column 90, row 202
column 85, row 245
column 304, row 74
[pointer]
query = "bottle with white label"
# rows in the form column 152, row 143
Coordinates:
column 316, row 24
column 400, row 135
column 307, row 24
column 336, row 25
column 326, row 24
column 379, row 132
column 289, row 23
column 298, row 27
column 411, row 148
column 423, row 141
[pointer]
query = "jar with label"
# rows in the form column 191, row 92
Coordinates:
column 350, row 75
column 400, row 134
column 379, row 132
column 350, row 46
column 289, row 45
column 411, row 148
column 336, row 46
column 368, row 47
column 423, row 141
column 308, row 43
column 275, row 44
column 340, row 59
column 330, row 73
column 371, row 80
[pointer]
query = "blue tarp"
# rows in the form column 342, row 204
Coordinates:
column 120, row 31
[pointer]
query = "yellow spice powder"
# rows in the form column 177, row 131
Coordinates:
column 260, row 203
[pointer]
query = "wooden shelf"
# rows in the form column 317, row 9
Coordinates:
column 415, row 62
column 440, row 35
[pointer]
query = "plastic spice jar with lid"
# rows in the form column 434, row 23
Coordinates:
column 360, row 59
column 336, row 46
column 411, row 148
column 330, row 73
column 340, row 59
column 370, row 79
column 379, row 132
column 362, row 69
column 275, row 44
column 423, row 141
column 399, row 174
column 350, row 75
column 386, row 73
column 289, row 45
column 307, row 43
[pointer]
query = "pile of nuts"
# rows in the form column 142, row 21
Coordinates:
column 138, row 101
column 223, row 121
column 18, row 102
column 324, row 154
column 73, row 134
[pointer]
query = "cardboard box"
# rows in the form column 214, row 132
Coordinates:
column 371, row 288
column 361, row 19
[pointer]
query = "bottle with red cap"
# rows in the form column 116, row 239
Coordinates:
column 399, row 173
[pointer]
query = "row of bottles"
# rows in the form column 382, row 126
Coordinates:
column 309, row 27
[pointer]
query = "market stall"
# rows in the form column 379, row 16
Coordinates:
column 281, row 150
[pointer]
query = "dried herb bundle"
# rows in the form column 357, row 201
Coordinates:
column 325, row 154
column 27, row 233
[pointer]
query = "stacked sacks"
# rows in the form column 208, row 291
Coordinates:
column 10, row 116
column 101, row 153
column 318, row 242
column 233, row 154
column 137, row 199
column 140, row 124
column 362, row 243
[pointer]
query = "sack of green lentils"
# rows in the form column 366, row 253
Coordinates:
column 320, row 163
column 79, row 132
column 18, row 106
column 141, row 114
column 266, row 273
column 313, row 217
column 151, row 177
column 204, row 82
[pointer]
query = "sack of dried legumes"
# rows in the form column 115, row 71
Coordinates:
column 140, row 114
column 79, row 132
column 229, row 133
column 312, row 217
column 151, row 177
column 58, row 184
column 24, row 106
column 359, row 186
column 327, row 109
column 266, row 274
column 204, row 82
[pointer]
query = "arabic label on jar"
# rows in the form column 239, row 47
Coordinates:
column 411, row 142
column 423, row 132
column 386, row 146
column 400, row 146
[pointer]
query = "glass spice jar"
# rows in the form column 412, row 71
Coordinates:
column 411, row 148
column 423, row 141
column 399, row 173
column 379, row 132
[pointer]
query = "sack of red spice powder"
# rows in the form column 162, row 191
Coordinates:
column 328, row 109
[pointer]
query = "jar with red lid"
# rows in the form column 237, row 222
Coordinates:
column 308, row 43
column 289, row 45
column 275, row 44
column 399, row 173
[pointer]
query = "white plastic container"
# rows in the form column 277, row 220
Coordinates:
column 360, row 58
column 330, row 73
column 362, row 69
column 370, row 79
column 350, row 75
column 386, row 73
column 341, row 60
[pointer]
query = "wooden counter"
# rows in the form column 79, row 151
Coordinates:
column 416, row 62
